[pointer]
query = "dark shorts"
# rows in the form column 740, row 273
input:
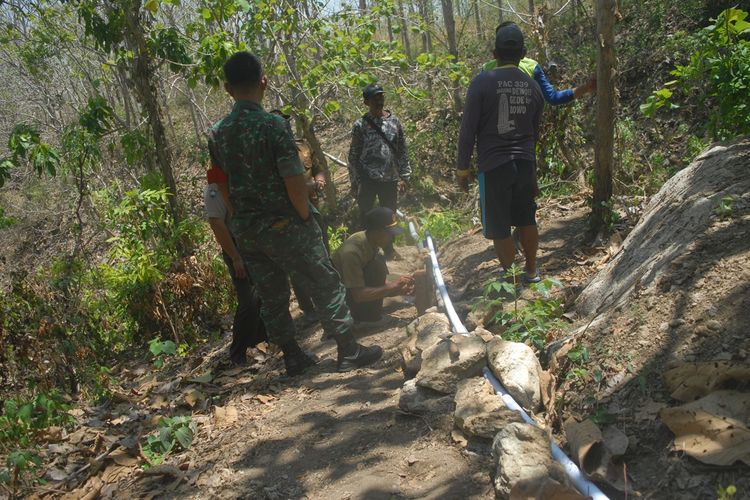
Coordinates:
column 506, row 194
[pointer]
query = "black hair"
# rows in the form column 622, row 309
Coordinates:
column 243, row 69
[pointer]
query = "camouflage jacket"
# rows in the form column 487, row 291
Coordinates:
column 371, row 157
column 256, row 152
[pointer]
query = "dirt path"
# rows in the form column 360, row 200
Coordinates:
column 323, row 435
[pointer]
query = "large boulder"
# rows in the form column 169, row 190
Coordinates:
column 423, row 332
column 665, row 247
column 420, row 400
column 479, row 411
column 517, row 368
column 450, row 361
column 524, row 460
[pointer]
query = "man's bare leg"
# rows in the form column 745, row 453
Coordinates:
column 506, row 251
column 530, row 244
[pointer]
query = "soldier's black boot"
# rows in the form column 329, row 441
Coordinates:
column 352, row 355
column 296, row 360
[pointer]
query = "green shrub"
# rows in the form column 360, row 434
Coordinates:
column 529, row 323
column 717, row 76
column 336, row 237
column 21, row 420
column 443, row 225
column 172, row 434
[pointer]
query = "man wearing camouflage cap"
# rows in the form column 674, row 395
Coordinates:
column 272, row 220
column 378, row 161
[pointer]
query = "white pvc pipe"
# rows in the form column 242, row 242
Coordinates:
column 457, row 325
column 574, row 473
column 334, row 159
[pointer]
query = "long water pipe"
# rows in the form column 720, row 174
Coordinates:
column 574, row 473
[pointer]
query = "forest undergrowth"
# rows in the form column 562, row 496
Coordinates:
column 105, row 254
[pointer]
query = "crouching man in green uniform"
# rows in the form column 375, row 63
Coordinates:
column 363, row 269
column 272, row 221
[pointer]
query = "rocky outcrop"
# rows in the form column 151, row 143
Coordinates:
column 673, row 225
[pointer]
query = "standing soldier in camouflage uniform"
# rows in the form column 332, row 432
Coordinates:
column 316, row 182
column 378, row 162
column 272, row 221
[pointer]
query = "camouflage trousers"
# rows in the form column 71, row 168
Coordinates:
column 295, row 249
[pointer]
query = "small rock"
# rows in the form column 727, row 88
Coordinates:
column 479, row 411
column 664, row 327
column 676, row 322
column 411, row 460
column 423, row 332
column 517, row 368
column 451, row 360
column 420, row 400
column 523, row 456
column 713, row 325
column 458, row 438
column 701, row 330
column 712, row 311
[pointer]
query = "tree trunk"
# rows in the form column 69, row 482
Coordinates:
column 142, row 77
column 390, row 28
column 404, row 29
column 500, row 11
column 425, row 11
column 605, row 115
column 362, row 7
column 477, row 17
column 450, row 29
column 318, row 157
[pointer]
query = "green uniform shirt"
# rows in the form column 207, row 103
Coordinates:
column 351, row 258
column 256, row 152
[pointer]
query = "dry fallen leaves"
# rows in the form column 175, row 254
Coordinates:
column 225, row 415
column 265, row 399
column 712, row 429
column 690, row 381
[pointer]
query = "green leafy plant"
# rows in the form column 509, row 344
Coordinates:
column 529, row 323
column 336, row 237
column 5, row 221
column 443, row 225
column 172, row 434
column 726, row 493
column 717, row 76
column 725, row 206
column 579, row 355
column 576, row 373
column 22, row 420
column 17, row 464
column 25, row 143
column 160, row 349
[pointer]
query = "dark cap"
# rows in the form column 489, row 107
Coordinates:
column 372, row 89
column 382, row 219
column 509, row 36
